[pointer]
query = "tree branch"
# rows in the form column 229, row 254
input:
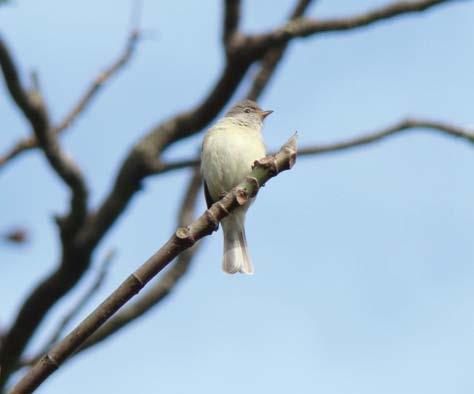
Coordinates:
column 183, row 239
column 304, row 27
column 84, row 101
column 144, row 159
column 164, row 286
column 231, row 19
column 273, row 56
column 35, row 112
column 45, row 294
column 86, row 297
column 75, row 257
column 362, row 140
column 404, row 125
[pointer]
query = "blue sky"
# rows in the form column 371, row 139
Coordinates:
column 363, row 258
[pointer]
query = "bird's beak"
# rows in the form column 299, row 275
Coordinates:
column 264, row 114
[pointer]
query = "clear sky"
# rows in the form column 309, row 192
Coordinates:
column 364, row 259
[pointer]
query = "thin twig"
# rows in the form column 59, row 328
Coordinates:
column 184, row 238
column 402, row 126
column 90, row 93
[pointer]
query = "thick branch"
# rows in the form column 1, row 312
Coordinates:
column 231, row 19
column 184, row 238
column 304, row 27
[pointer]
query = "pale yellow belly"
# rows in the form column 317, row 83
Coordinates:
column 228, row 156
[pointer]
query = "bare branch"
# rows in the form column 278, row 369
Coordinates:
column 90, row 93
column 304, row 27
column 231, row 19
column 145, row 157
column 35, row 112
column 184, row 238
column 164, row 286
column 404, row 125
column 86, row 297
column 143, row 160
column 413, row 124
column 17, row 149
column 75, row 257
column 32, row 312
column 273, row 56
column 100, row 82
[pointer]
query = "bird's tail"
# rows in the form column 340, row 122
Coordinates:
column 236, row 256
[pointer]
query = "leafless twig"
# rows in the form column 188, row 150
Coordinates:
column 89, row 94
column 402, row 126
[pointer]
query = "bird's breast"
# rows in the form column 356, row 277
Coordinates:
column 227, row 157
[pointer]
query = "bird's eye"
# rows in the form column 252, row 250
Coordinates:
column 247, row 110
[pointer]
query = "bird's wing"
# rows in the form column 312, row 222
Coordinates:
column 209, row 200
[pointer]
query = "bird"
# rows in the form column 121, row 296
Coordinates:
column 229, row 150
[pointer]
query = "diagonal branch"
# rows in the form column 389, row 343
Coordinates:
column 100, row 82
column 144, row 158
column 273, row 56
column 184, row 238
column 68, row 317
column 84, row 101
column 162, row 288
column 304, row 27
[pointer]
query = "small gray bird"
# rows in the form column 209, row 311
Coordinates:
column 229, row 150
